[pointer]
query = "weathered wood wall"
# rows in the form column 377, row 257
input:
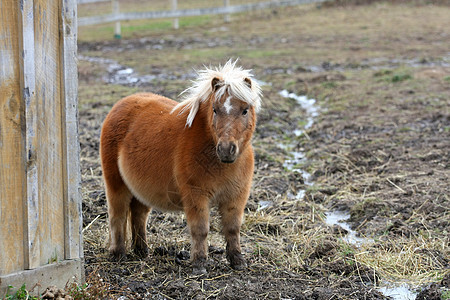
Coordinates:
column 12, row 146
column 40, row 203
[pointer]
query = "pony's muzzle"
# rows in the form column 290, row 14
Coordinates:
column 227, row 151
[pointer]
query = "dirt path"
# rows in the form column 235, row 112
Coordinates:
column 378, row 149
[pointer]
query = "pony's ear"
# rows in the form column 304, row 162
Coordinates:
column 216, row 83
column 248, row 81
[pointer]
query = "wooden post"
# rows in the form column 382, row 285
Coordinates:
column 226, row 3
column 13, row 175
column 73, row 246
column 40, row 199
column 28, row 81
column 175, row 21
column 116, row 11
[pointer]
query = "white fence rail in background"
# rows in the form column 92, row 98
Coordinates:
column 91, row 1
column 175, row 13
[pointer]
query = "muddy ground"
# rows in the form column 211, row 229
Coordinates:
column 378, row 149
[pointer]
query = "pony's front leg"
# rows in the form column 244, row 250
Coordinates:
column 232, row 214
column 197, row 215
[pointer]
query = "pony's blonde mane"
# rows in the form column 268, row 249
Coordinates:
column 232, row 81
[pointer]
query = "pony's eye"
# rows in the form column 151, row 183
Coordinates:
column 244, row 112
column 214, row 111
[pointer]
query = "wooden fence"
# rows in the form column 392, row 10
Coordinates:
column 226, row 9
column 40, row 200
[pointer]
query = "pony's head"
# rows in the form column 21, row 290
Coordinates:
column 230, row 100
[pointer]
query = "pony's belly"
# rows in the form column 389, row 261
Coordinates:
column 167, row 201
column 154, row 196
column 154, row 190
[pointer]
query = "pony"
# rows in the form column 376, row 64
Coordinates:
column 187, row 156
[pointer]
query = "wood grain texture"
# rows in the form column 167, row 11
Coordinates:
column 12, row 162
column 49, row 275
column 72, row 177
column 49, row 153
column 40, row 199
column 27, row 84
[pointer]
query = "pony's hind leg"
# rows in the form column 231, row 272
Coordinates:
column 232, row 213
column 139, row 216
column 119, row 198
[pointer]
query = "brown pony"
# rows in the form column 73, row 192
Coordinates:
column 153, row 155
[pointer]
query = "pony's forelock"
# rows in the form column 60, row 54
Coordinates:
column 232, row 81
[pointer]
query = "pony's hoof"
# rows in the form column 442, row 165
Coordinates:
column 237, row 261
column 199, row 267
column 117, row 253
column 141, row 252
column 117, row 256
column 239, row 266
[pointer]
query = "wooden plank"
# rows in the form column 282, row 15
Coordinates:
column 39, row 168
column 49, row 146
column 28, row 81
column 12, row 149
column 190, row 12
column 72, row 178
column 58, row 275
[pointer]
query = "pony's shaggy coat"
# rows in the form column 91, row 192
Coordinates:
column 154, row 156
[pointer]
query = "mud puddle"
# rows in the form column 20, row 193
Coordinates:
column 339, row 218
column 396, row 291
column 382, row 63
column 123, row 75
column 297, row 157
column 378, row 63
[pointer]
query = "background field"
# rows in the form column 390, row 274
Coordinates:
column 378, row 150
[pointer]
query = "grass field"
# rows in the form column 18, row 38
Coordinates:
column 378, row 150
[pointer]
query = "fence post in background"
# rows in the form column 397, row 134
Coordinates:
column 116, row 10
column 175, row 21
column 226, row 3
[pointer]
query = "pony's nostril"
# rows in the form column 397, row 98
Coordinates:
column 233, row 149
column 227, row 151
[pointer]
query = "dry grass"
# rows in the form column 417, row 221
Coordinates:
column 417, row 261
column 384, row 175
column 375, row 165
